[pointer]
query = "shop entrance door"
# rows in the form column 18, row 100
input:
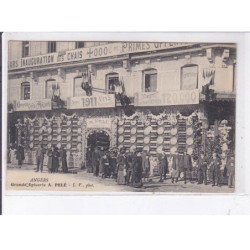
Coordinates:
column 95, row 139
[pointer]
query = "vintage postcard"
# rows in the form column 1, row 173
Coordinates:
column 120, row 116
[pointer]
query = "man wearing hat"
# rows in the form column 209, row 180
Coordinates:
column 187, row 166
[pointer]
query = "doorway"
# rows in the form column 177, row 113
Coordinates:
column 99, row 139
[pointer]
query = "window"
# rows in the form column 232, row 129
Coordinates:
column 25, row 49
column 112, row 83
column 78, row 91
column 150, row 80
column 49, row 88
column 25, row 91
column 80, row 45
column 51, row 47
column 189, row 77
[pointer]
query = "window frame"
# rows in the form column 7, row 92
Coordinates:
column 74, row 84
column 197, row 78
column 108, row 77
column 25, row 45
column 23, row 85
column 77, row 44
column 52, row 47
column 46, row 86
column 151, row 71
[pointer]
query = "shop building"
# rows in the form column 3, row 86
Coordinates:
column 182, row 96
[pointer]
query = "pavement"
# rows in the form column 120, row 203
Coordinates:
column 25, row 178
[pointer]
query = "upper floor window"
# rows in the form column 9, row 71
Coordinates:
column 112, row 82
column 80, row 45
column 149, row 80
column 51, row 47
column 25, row 91
column 25, row 48
column 189, row 77
column 49, row 88
column 78, row 91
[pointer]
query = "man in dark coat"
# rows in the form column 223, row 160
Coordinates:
column 113, row 164
column 20, row 155
column 96, row 161
column 162, row 161
column 55, row 160
column 187, row 164
column 202, row 169
column 165, row 167
column 215, row 170
column 64, row 161
column 137, row 171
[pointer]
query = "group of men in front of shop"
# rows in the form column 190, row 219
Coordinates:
column 133, row 167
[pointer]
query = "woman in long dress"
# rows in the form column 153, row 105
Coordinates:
column 121, row 164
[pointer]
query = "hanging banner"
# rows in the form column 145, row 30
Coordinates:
column 180, row 97
column 87, row 102
column 29, row 105
column 98, row 122
column 107, row 50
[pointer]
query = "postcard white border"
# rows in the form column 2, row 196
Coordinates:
column 138, row 203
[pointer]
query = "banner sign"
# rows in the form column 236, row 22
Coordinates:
column 30, row 105
column 87, row 102
column 98, row 122
column 180, row 97
column 107, row 50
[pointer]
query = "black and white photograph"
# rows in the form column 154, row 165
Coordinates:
column 121, row 116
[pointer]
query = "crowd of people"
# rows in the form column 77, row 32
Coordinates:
column 134, row 167
column 57, row 159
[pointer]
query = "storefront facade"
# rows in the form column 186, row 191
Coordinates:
column 164, row 82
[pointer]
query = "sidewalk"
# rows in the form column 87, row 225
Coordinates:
column 81, row 178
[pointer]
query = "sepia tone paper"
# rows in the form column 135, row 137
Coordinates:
column 121, row 116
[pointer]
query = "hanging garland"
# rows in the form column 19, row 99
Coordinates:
column 32, row 120
column 49, row 119
column 68, row 117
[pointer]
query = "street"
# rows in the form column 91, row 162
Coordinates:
column 27, row 179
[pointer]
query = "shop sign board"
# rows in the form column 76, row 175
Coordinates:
column 82, row 54
column 98, row 122
column 180, row 97
column 95, row 101
column 30, row 105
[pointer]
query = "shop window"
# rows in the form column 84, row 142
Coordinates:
column 25, row 91
column 80, row 45
column 51, row 47
column 25, row 48
column 189, row 77
column 112, row 83
column 78, row 91
column 49, row 88
column 150, row 80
